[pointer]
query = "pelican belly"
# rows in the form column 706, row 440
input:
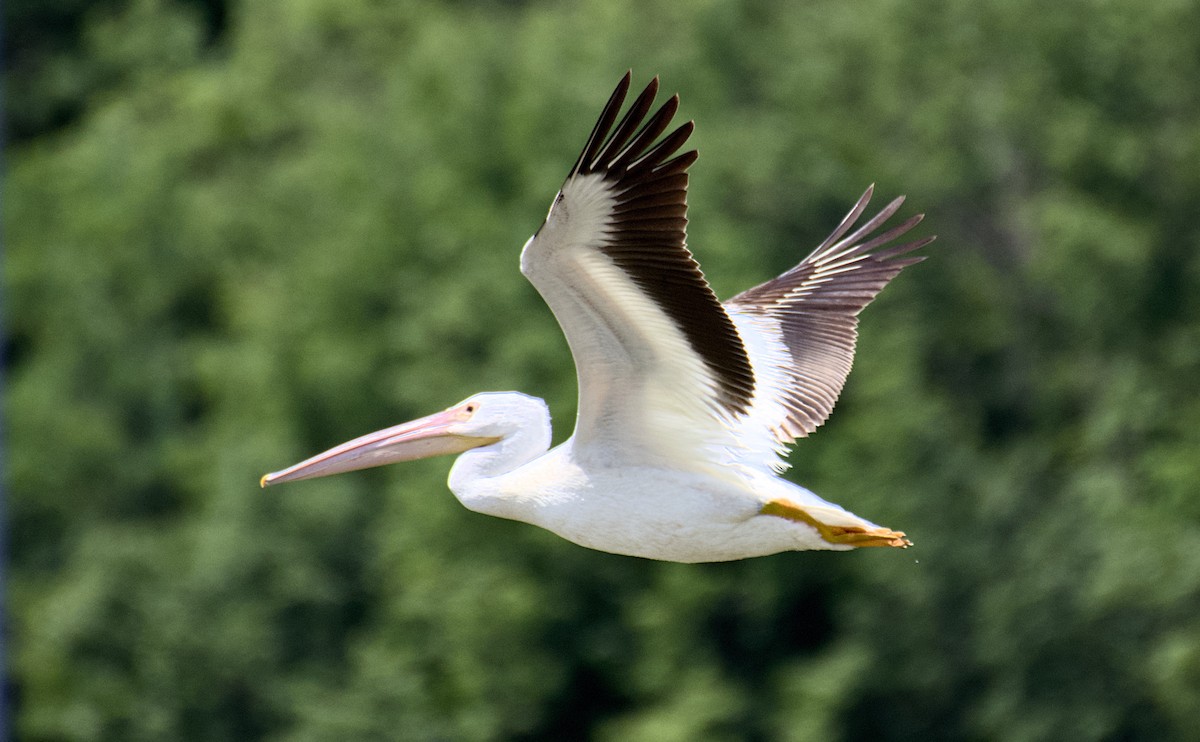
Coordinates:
column 663, row 518
column 651, row 512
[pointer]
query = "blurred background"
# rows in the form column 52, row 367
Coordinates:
column 239, row 233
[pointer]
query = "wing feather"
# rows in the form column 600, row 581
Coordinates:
column 654, row 349
column 812, row 311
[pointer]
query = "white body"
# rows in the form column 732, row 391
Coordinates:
column 644, row 511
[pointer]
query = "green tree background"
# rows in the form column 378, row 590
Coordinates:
column 241, row 232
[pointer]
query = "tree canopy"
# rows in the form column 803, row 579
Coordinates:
column 238, row 233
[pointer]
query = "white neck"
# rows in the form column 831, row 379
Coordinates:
column 474, row 476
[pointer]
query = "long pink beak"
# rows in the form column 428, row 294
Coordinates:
column 419, row 439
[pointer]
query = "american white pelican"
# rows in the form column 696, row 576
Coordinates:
column 685, row 405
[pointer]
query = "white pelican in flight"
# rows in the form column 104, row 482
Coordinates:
column 686, row 405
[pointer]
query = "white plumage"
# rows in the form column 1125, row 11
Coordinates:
column 685, row 405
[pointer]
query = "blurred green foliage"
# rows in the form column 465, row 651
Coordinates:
column 240, row 233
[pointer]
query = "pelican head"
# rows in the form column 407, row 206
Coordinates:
column 482, row 420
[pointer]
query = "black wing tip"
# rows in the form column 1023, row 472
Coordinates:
column 635, row 141
column 622, row 87
column 604, row 124
column 679, row 163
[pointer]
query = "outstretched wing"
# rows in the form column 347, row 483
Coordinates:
column 662, row 370
column 807, row 319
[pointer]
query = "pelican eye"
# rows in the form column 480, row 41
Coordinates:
column 470, row 409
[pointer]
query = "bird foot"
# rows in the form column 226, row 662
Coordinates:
column 856, row 536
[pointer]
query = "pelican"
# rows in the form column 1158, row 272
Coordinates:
column 686, row 405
